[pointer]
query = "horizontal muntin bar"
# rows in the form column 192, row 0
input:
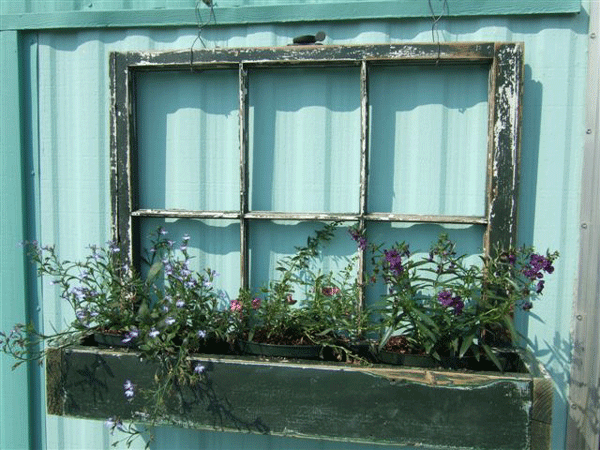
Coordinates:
column 345, row 217
column 186, row 214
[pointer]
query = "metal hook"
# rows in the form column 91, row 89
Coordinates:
column 211, row 15
column 435, row 35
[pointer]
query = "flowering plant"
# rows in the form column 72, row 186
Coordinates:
column 168, row 313
column 304, row 305
column 444, row 306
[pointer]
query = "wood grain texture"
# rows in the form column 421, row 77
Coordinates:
column 407, row 406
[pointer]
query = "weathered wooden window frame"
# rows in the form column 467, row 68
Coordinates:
column 505, row 83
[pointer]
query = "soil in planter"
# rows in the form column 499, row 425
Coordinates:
column 262, row 336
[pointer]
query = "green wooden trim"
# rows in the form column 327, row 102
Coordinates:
column 14, row 430
column 379, row 404
column 322, row 11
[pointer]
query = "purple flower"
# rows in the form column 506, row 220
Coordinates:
column 256, row 303
column 180, row 303
column 113, row 247
column 537, row 264
column 539, row 287
column 201, row 334
column 112, row 423
column 129, row 389
column 190, row 284
column 394, row 261
column 162, row 231
column 447, row 300
column 458, row 305
column 358, row 237
column 130, row 335
column 527, row 306
column 199, row 369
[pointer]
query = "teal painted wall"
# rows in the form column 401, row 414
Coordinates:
column 63, row 113
column 14, row 394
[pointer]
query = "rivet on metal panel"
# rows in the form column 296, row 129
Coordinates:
column 593, row 36
column 584, row 225
column 588, row 131
column 579, row 317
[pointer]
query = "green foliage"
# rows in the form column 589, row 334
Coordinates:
column 445, row 307
column 331, row 310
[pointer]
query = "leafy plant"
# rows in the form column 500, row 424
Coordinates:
column 330, row 311
column 167, row 315
column 443, row 306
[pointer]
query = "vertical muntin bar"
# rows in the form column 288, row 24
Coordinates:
column 243, row 105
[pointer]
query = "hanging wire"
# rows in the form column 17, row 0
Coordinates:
column 201, row 25
column 435, row 34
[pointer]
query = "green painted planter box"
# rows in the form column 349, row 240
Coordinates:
column 379, row 404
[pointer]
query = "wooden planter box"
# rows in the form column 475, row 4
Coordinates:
column 380, row 404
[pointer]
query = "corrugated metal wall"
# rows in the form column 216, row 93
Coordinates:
column 69, row 135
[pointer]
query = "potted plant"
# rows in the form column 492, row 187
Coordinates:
column 457, row 313
column 165, row 314
column 305, row 311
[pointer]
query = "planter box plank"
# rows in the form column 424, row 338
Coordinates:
column 401, row 406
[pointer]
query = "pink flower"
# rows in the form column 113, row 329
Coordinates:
column 256, row 303
column 236, row 305
column 330, row 291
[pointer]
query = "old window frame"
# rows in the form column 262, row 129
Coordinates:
column 505, row 85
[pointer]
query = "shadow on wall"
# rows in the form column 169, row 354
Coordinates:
column 585, row 399
column 175, row 438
